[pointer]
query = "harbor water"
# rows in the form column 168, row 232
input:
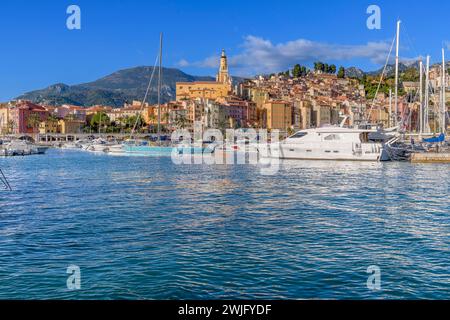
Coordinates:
column 145, row 228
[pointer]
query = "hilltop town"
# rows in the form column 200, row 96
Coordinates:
column 288, row 101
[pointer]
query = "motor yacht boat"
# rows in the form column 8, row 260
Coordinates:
column 21, row 148
column 330, row 143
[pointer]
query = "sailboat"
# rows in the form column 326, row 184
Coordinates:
column 443, row 107
column 399, row 150
column 143, row 147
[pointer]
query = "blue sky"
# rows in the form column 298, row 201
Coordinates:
column 37, row 50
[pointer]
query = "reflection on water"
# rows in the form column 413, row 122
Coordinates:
column 145, row 228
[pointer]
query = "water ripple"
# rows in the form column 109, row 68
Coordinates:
column 142, row 228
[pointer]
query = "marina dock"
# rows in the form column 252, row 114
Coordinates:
column 431, row 157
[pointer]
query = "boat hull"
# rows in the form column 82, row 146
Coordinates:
column 147, row 150
column 371, row 152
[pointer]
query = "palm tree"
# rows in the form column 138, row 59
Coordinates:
column 52, row 120
column 33, row 121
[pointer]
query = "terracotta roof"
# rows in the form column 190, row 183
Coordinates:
column 29, row 105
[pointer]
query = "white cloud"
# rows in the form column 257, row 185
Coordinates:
column 260, row 55
column 210, row 62
column 447, row 44
column 183, row 63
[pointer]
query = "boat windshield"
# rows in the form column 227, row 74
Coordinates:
column 298, row 135
column 136, row 142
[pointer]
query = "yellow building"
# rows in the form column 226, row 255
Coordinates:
column 68, row 126
column 278, row 115
column 302, row 115
column 259, row 96
column 48, row 127
column 4, row 119
column 204, row 90
column 380, row 116
column 207, row 89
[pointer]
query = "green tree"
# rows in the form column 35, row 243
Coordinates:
column 52, row 119
column 100, row 119
column 304, row 71
column 341, row 73
column 153, row 119
column 411, row 74
column 297, row 71
column 33, row 121
column 332, row 69
column 135, row 120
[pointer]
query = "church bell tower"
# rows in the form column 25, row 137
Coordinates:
column 223, row 75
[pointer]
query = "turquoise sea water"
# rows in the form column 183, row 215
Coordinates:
column 144, row 228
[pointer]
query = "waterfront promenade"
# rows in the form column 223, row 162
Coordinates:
column 54, row 137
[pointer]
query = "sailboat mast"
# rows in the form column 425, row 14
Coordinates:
column 443, row 106
column 427, row 96
column 390, row 107
column 159, row 87
column 421, row 97
column 396, row 70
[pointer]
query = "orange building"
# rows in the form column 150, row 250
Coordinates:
column 278, row 114
column 207, row 89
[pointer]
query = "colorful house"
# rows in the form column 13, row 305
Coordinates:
column 27, row 117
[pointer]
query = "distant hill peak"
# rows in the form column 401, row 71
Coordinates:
column 114, row 89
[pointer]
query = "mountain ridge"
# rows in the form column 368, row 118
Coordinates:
column 130, row 84
column 114, row 89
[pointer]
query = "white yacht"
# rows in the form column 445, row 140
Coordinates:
column 71, row 146
column 331, row 143
column 99, row 145
column 21, row 148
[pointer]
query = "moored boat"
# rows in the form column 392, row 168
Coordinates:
column 330, row 143
column 21, row 148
